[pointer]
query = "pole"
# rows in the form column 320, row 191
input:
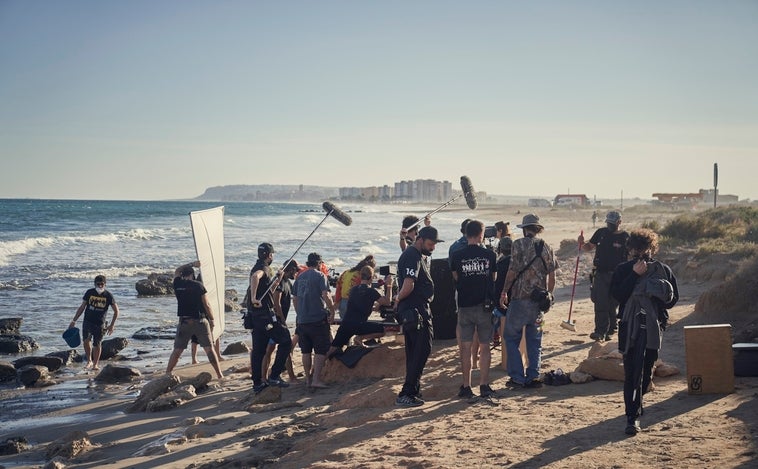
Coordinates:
column 715, row 183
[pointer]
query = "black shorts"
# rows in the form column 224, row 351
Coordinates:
column 93, row 332
column 314, row 336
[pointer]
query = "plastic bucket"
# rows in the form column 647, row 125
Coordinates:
column 72, row 338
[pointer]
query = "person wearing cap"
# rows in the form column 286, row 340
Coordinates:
column 532, row 266
column 95, row 303
column 609, row 244
column 266, row 326
column 315, row 312
column 409, row 230
column 473, row 269
column 195, row 317
column 459, row 243
column 415, row 296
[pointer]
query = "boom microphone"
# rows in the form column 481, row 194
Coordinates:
column 338, row 214
column 468, row 192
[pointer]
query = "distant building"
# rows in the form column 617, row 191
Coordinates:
column 538, row 203
column 702, row 196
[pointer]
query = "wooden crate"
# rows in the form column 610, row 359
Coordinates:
column 710, row 366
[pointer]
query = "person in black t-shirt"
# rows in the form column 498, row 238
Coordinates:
column 609, row 243
column 195, row 317
column 360, row 304
column 415, row 296
column 94, row 305
column 282, row 303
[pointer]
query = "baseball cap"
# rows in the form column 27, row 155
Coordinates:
column 429, row 232
column 613, row 217
column 264, row 249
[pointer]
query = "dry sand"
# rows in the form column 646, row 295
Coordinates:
column 354, row 423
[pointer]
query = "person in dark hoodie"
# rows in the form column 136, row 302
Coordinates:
column 645, row 289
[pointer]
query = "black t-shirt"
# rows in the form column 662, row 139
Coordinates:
column 475, row 266
column 285, row 287
column 611, row 248
column 501, row 267
column 267, row 303
column 189, row 298
column 360, row 303
column 97, row 305
column 413, row 265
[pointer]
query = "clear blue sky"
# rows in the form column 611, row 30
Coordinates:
column 151, row 99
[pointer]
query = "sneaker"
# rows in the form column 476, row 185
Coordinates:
column 596, row 336
column 278, row 382
column 533, row 384
column 632, row 426
column 514, row 384
column 372, row 343
column 408, row 401
column 486, row 391
column 257, row 388
column 608, row 338
column 465, row 392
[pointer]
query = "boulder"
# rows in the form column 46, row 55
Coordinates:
column 69, row 446
column 117, row 374
column 28, row 375
column 151, row 390
column 52, row 363
column 199, row 382
column 13, row 343
column 10, row 326
column 152, row 333
column 67, row 356
column 236, row 348
column 578, row 377
column 13, row 445
column 156, row 285
column 7, row 371
column 110, row 348
column 231, row 301
column 603, row 368
column 664, row 369
column 604, row 349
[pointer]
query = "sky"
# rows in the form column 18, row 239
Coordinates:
column 155, row 99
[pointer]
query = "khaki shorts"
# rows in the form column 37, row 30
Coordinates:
column 475, row 317
column 188, row 327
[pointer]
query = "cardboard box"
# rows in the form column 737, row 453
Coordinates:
column 710, row 366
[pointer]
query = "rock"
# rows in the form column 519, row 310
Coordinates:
column 52, row 363
column 199, row 382
column 664, row 369
column 117, row 374
column 269, row 395
column 236, row 348
column 10, row 326
column 7, row 371
column 167, row 402
column 110, row 348
column 13, row 343
column 604, row 349
column 603, row 368
column 67, row 356
column 28, row 375
column 152, row 333
column 579, row 377
column 69, row 446
column 151, row 390
column 231, row 301
column 13, row 445
column 156, row 285
column 185, row 391
column 55, row 463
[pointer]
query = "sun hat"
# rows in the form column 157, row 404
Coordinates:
column 429, row 232
column 72, row 338
column 530, row 219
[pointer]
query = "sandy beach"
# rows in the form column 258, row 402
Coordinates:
column 354, row 422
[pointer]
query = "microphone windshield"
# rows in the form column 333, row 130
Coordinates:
column 468, row 192
column 338, row 214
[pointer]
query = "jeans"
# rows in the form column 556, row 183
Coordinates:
column 522, row 313
column 605, row 304
column 638, row 373
column 264, row 329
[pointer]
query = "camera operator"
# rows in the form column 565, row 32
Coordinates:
column 360, row 304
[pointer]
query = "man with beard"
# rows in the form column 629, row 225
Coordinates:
column 413, row 308
column 609, row 243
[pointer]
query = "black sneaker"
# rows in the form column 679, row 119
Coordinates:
column 632, row 427
column 486, row 391
column 465, row 392
column 608, row 338
column 408, row 401
column 372, row 343
column 278, row 382
column 597, row 336
column 533, row 384
column 514, row 385
column 257, row 388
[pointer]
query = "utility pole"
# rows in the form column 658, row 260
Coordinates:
column 715, row 183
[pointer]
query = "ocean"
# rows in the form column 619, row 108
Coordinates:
column 51, row 250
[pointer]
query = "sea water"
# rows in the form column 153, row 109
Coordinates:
column 51, row 250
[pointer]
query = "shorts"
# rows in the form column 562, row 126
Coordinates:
column 188, row 327
column 93, row 332
column 348, row 330
column 475, row 317
column 314, row 336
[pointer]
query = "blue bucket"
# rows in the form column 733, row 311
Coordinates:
column 72, row 338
